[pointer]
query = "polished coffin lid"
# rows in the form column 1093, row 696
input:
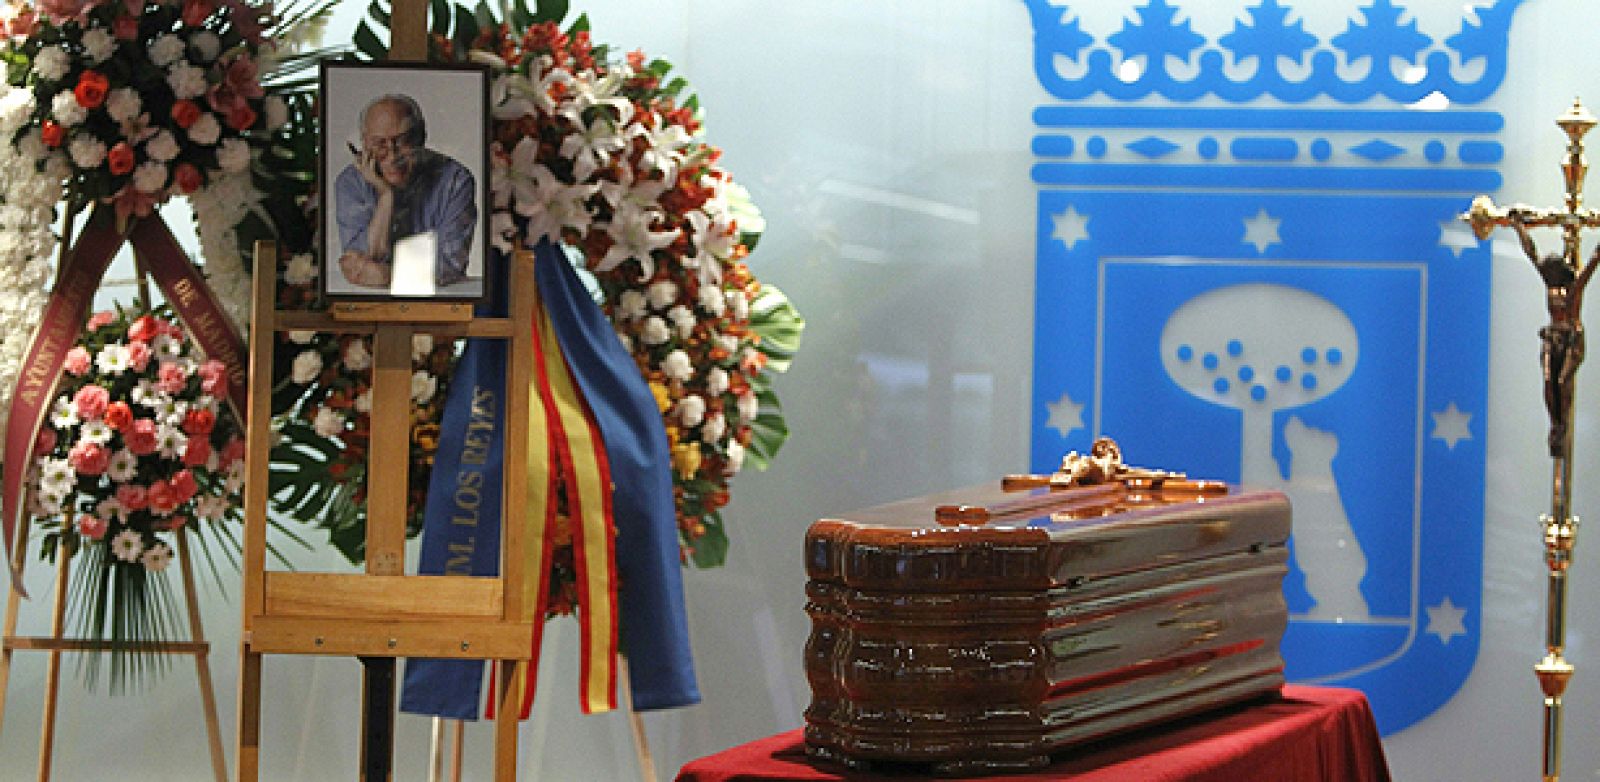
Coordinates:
column 982, row 629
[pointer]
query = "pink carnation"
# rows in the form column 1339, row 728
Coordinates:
column 100, row 319
column 132, row 496
column 138, row 356
column 89, row 458
column 91, row 401
column 77, row 361
column 164, row 499
column 60, row 11
column 172, row 377
column 184, row 484
column 92, row 527
column 141, row 437
column 197, row 452
column 214, row 377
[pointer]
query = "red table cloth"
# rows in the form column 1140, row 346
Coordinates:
column 1311, row 734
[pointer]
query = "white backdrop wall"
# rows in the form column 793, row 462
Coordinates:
column 887, row 142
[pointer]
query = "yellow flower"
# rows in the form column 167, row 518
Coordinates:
column 686, row 458
column 663, row 397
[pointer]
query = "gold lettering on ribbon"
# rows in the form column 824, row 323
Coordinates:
column 55, row 332
column 468, row 496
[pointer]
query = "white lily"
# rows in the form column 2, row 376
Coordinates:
column 632, row 237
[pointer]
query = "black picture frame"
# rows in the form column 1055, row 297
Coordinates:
column 435, row 156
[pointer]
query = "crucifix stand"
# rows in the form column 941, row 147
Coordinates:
column 1565, row 276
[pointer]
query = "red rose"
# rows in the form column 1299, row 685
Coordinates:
column 241, row 117
column 164, row 498
column 53, row 133
column 89, row 458
column 120, row 159
column 197, row 452
column 198, row 423
column 187, row 177
column 185, row 113
column 132, row 497
column 140, row 437
column 119, row 415
column 91, row 89
column 144, row 328
column 184, row 484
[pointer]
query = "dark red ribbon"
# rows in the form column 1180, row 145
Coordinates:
column 62, row 323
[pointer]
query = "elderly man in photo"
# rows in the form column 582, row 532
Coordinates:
column 398, row 188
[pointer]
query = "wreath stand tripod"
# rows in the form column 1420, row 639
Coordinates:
column 57, row 642
column 383, row 614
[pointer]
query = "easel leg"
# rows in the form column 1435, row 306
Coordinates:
column 436, row 751
column 377, row 718
column 202, row 661
column 13, row 604
column 641, row 743
column 505, row 723
column 249, row 745
column 52, row 692
column 457, row 750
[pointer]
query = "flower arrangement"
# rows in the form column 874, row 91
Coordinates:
column 139, row 443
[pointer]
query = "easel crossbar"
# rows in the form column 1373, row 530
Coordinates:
column 40, row 643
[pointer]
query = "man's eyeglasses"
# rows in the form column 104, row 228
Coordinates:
column 399, row 142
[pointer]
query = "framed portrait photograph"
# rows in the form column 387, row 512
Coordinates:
column 405, row 180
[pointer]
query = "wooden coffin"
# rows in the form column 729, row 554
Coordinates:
column 1028, row 622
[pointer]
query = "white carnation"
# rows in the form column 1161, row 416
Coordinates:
column 356, row 357
column 683, row 321
column 86, row 150
column 662, row 294
column 328, row 422
column 300, row 337
column 205, row 130
column 631, row 305
column 66, row 110
column 749, row 406
column 735, row 457
column 161, row 146
column 206, row 45
column 677, row 366
column 52, row 63
column 233, row 154
column 711, row 300
column 123, row 104
column 165, row 50
column 655, row 331
column 740, row 304
column 421, row 346
column 306, row 367
column 714, row 428
column 98, row 45
column 691, row 410
column 423, row 387
column 186, row 81
column 363, row 403
column 300, row 270
column 150, row 177
column 717, row 381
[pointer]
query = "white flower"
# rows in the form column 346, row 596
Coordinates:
column 423, row 386
column 210, row 507
column 63, row 415
column 677, row 366
column 683, row 321
column 655, row 331
column 206, row 45
column 171, row 440
column 306, row 367
column 717, row 381
column 187, row 82
column 714, row 427
column 48, row 503
column 123, row 104
column 86, row 151
column 155, row 560
column 593, row 143
column 632, row 237
column 165, row 50
column 712, row 301
column 356, row 357
column 301, row 270
column 52, row 63
column 150, row 177
column 233, row 155
column 729, row 344
column 749, row 407
column 328, row 422
column 421, row 346
column 166, row 346
column 631, row 305
column 144, row 393
column 662, row 293
column 691, row 410
column 127, row 546
column 124, row 465
column 277, row 112
column 205, row 131
column 740, row 304
column 161, row 146
column 735, row 457
column 98, row 45
column 97, row 431
column 300, row 337
column 363, row 403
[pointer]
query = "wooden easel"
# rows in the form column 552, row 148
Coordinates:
column 57, row 642
column 383, row 614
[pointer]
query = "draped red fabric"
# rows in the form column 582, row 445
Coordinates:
column 1311, row 734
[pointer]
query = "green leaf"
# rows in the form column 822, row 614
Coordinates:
column 550, row 11
column 711, row 549
column 579, row 25
column 467, row 28
column 439, row 17
column 768, row 432
column 520, row 17
column 368, row 43
column 779, row 324
column 484, row 15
